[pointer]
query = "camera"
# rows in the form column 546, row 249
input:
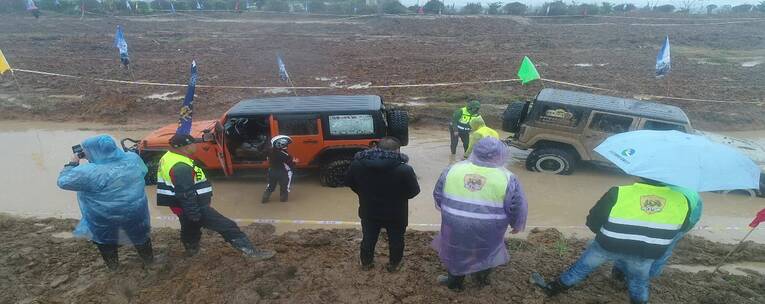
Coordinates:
column 77, row 150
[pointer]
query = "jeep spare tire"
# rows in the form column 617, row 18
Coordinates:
column 398, row 125
column 514, row 115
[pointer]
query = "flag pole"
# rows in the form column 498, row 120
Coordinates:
column 734, row 250
column 16, row 80
column 669, row 92
column 289, row 79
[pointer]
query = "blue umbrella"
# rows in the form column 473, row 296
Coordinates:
column 681, row 159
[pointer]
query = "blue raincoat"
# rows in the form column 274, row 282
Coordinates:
column 110, row 192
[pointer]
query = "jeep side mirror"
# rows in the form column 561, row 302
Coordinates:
column 208, row 136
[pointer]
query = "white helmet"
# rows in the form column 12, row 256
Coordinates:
column 281, row 141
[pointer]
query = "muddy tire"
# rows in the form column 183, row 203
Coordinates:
column 332, row 173
column 398, row 125
column 152, row 163
column 551, row 160
column 514, row 115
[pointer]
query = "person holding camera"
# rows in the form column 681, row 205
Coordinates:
column 110, row 192
column 183, row 186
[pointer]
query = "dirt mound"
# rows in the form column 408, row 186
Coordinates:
column 314, row 266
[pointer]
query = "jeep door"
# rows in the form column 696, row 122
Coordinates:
column 222, row 150
column 305, row 131
column 600, row 126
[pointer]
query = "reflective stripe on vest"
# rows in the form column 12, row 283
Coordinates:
column 464, row 123
column 647, row 216
column 475, row 192
column 165, row 188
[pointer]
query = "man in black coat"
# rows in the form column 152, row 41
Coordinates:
column 384, row 183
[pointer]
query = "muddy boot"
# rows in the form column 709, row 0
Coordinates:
column 266, row 197
column 454, row 283
column 245, row 246
column 392, row 267
column 551, row 288
column 146, row 252
column 283, row 197
column 192, row 249
column 110, row 255
column 482, row 277
column 617, row 275
column 368, row 266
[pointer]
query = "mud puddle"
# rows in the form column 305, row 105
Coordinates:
column 35, row 153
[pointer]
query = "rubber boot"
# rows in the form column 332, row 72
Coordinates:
column 454, row 283
column 266, row 197
column 146, row 252
column 283, row 197
column 111, row 259
column 192, row 249
column 245, row 246
column 550, row 288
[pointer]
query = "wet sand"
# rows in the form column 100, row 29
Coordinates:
column 35, row 153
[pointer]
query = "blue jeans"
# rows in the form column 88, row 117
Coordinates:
column 636, row 269
column 658, row 265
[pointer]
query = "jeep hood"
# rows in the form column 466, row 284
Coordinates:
column 160, row 138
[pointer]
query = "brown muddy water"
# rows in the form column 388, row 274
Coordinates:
column 35, row 152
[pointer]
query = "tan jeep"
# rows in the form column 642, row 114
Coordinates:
column 563, row 127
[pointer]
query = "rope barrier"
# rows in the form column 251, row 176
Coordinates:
column 370, row 86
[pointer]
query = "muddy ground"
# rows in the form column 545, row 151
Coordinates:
column 320, row 266
column 712, row 59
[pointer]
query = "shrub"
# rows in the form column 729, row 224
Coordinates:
column 276, row 6
column 494, row 8
column 556, row 8
column 433, row 7
column 667, row 8
column 472, row 9
column 515, row 8
column 625, row 7
column 394, row 7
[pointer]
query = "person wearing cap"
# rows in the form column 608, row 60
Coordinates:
column 636, row 226
column 480, row 131
column 280, row 165
column 183, row 186
column 478, row 199
column 459, row 128
column 111, row 191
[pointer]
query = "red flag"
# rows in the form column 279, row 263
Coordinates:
column 759, row 218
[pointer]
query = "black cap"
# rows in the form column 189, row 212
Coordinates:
column 180, row 140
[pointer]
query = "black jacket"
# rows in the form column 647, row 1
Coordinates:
column 280, row 160
column 384, row 184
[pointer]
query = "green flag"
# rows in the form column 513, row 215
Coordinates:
column 528, row 72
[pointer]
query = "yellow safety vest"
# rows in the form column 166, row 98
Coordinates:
column 165, row 187
column 475, row 192
column 464, row 123
column 644, row 220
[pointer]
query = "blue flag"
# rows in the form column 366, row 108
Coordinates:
column 663, row 60
column 127, row 4
column 199, row 5
column 172, row 7
column 187, row 109
column 282, row 69
column 58, row 3
column 31, row 5
column 121, row 45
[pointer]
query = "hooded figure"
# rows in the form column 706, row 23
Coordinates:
column 478, row 198
column 112, row 199
column 480, row 131
column 384, row 183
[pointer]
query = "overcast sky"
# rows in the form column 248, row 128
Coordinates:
column 638, row 3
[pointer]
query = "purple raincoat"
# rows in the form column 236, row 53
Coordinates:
column 467, row 244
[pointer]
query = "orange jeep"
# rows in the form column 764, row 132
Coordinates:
column 326, row 132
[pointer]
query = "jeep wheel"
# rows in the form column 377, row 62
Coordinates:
column 551, row 160
column 152, row 163
column 332, row 173
column 514, row 115
column 398, row 125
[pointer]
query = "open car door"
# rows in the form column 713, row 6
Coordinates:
column 222, row 151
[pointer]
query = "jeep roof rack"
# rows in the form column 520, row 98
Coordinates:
column 305, row 105
column 614, row 104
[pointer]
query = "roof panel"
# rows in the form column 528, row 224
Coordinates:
column 614, row 104
column 306, row 104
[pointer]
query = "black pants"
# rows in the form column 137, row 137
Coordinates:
column 461, row 135
column 281, row 178
column 191, row 231
column 109, row 252
column 371, row 231
column 457, row 281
